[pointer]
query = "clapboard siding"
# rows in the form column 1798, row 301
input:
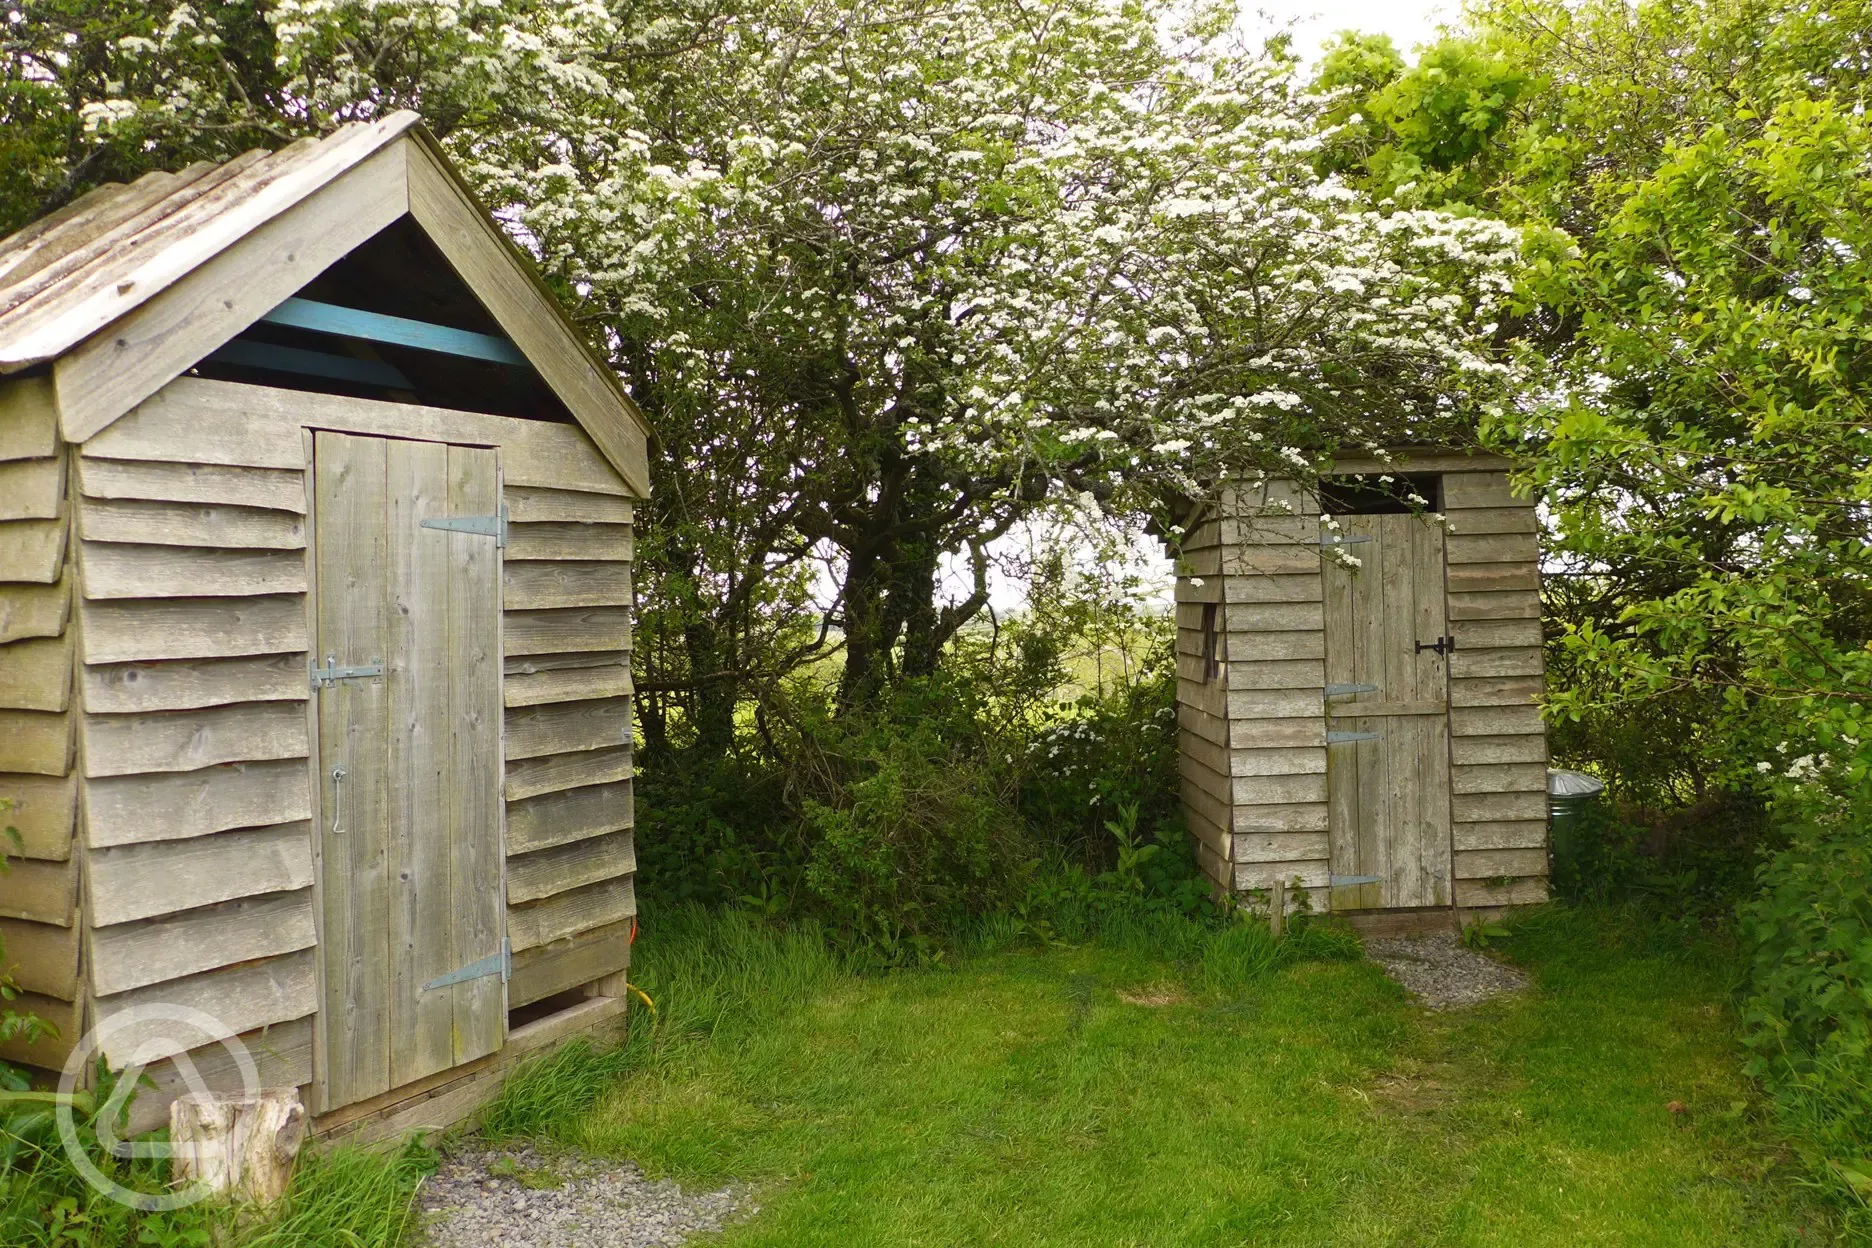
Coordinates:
column 117, row 745
column 213, row 485
column 43, row 813
column 200, row 871
column 567, row 594
column 32, row 489
column 36, row 675
column 28, row 611
column 41, row 957
column 1262, row 725
column 153, row 951
column 242, row 997
column 141, row 522
column 190, row 684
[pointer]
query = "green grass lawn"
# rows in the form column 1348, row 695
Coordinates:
column 1093, row 1096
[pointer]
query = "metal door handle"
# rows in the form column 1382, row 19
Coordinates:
column 1442, row 645
column 338, row 774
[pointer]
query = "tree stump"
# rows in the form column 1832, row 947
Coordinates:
column 239, row 1145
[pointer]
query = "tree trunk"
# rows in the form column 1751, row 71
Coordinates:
column 241, row 1146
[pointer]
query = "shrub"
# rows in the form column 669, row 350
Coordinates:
column 1809, row 1008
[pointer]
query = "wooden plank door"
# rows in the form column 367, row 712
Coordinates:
column 409, row 763
column 1387, row 788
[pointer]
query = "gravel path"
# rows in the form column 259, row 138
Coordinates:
column 1441, row 971
column 519, row 1198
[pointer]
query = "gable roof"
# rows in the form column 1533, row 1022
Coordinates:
column 153, row 261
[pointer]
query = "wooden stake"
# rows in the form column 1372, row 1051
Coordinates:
column 1277, row 908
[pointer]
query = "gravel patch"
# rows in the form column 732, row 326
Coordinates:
column 1441, row 971
column 518, row 1198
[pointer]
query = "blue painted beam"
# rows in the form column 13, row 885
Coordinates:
column 310, row 363
column 329, row 318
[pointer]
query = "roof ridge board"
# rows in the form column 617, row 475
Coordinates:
column 332, row 157
column 106, row 245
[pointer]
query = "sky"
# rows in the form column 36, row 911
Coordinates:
column 1408, row 22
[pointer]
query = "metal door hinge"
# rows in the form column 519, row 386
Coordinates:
column 500, row 964
column 1442, row 645
column 1341, row 738
column 1347, row 881
column 331, row 673
column 494, row 526
column 1345, row 691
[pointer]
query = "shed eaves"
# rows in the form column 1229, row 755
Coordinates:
column 70, row 274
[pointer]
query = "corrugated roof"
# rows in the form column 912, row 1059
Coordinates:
column 70, row 274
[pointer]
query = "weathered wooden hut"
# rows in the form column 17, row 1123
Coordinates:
column 1358, row 671
column 315, row 599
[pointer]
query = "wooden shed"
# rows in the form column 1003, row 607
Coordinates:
column 315, row 601
column 1358, row 668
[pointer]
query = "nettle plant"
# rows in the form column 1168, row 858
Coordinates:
column 891, row 276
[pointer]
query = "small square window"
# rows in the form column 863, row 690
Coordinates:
column 1211, row 648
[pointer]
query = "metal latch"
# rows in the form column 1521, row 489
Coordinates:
column 331, row 673
column 1346, row 691
column 1442, row 645
column 500, row 964
column 494, row 526
column 1341, row 738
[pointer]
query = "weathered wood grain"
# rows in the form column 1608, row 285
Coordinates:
column 1290, row 761
column 124, row 956
column 1499, row 807
column 534, row 776
column 1504, row 834
column 567, row 816
column 113, row 570
column 28, row 611
column 546, row 970
column 1513, row 604
column 1496, row 721
column 546, row 872
column 42, row 892
column 568, row 913
column 32, row 551
column 32, row 489
column 241, row 998
column 535, row 586
column 1480, row 520
column 1269, row 588
column 535, row 504
column 1491, row 634
column 187, row 684
column 1274, row 617
column 1518, row 661
column 565, row 727
column 1495, row 690
column 230, row 288
column 1529, row 891
column 28, row 418
column 43, row 812
column 277, row 489
column 228, row 424
column 1278, row 790
column 1493, row 577
column 246, row 732
column 1472, row 751
column 1280, row 847
column 65, row 1025
column 174, row 806
column 36, row 742
column 1483, row 864
column 579, row 628
column 282, row 1056
column 191, row 628
column 36, row 675
column 1247, row 704
column 142, row 522
column 571, row 684
column 1463, row 490
column 1477, row 548
column 570, row 541
column 196, row 872
column 1315, row 874
column 40, row 957
column 1499, row 778
column 1266, row 733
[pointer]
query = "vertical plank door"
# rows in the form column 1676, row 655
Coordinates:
column 408, row 621
column 1387, row 754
